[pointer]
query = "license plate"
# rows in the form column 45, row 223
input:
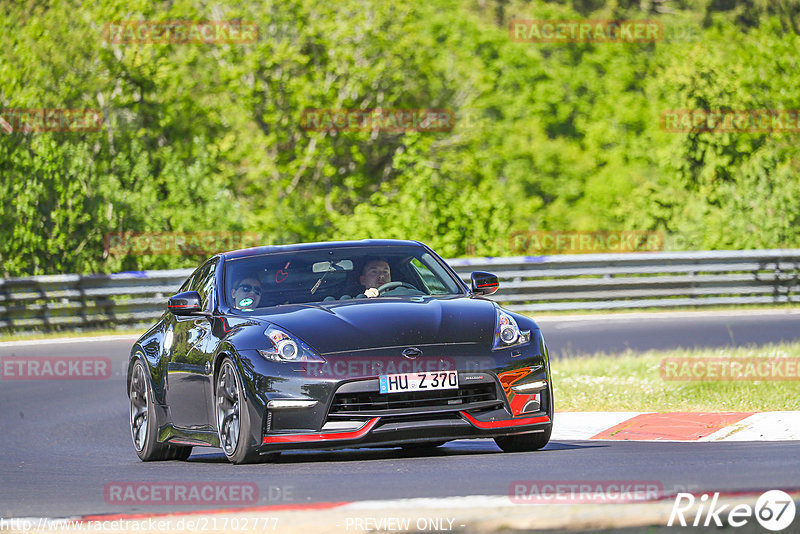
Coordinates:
column 418, row 381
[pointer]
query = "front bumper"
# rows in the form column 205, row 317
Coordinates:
column 393, row 431
column 494, row 399
column 357, row 415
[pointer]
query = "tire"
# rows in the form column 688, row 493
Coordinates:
column 144, row 423
column 524, row 442
column 232, row 416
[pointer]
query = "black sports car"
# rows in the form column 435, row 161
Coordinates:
column 336, row 345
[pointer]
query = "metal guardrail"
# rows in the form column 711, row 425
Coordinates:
column 72, row 300
column 528, row 284
column 643, row 280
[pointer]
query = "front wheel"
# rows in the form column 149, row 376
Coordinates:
column 524, row 442
column 233, row 421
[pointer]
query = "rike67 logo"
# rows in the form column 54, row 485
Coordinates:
column 774, row 510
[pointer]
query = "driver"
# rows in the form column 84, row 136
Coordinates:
column 246, row 293
column 374, row 274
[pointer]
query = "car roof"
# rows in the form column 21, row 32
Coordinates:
column 318, row 245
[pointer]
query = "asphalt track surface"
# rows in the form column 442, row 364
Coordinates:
column 62, row 442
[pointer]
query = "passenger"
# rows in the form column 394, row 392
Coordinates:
column 246, row 293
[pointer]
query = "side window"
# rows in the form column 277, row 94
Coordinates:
column 203, row 282
column 433, row 283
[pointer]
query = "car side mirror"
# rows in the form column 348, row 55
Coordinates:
column 186, row 303
column 483, row 283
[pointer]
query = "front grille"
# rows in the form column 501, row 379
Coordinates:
column 372, row 401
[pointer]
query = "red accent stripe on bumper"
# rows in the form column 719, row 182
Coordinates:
column 505, row 422
column 323, row 436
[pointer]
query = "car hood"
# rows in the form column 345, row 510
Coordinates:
column 388, row 322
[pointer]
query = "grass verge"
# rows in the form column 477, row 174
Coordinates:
column 633, row 382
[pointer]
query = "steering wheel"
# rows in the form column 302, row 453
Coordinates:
column 392, row 285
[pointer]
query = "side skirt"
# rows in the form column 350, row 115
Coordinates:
column 194, row 438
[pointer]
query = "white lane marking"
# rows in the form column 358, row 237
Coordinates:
column 765, row 426
column 62, row 340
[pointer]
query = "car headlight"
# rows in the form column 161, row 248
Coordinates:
column 507, row 332
column 286, row 348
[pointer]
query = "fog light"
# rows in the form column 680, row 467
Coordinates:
column 532, row 405
column 290, row 403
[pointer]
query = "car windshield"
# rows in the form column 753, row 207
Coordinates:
column 334, row 274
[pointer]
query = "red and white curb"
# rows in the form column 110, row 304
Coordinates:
column 677, row 426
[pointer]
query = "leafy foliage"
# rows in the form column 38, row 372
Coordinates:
column 548, row 136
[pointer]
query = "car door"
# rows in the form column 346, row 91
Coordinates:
column 189, row 368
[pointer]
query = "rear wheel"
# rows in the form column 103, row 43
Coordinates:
column 233, row 421
column 524, row 442
column 144, row 424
